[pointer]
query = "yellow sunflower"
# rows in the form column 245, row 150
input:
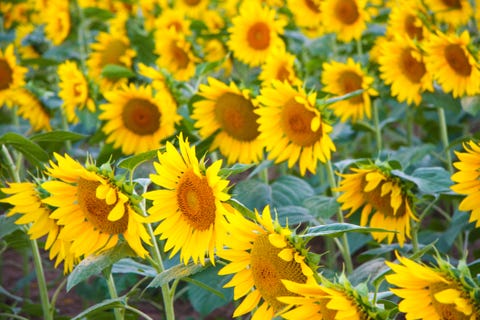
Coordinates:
column 170, row 18
column 175, row 54
column 231, row 111
column 467, row 179
column 192, row 8
column 27, row 202
column 26, row 51
column 431, row 293
column 341, row 78
column 32, row 109
column 138, row 119
column 73, row 90
column 14, row 13
column 261, row 256
column 190, row 204
column 157, row 78
column 402, row 67
column 453, row 66
column 385, row 201
column 405, row 19
column 453, row 12
column 94, row 210
column 279, row 65
column 254, row 33
column 292, row 128
column 306, row 13
column 57, row 21
column 215, row 50
column 11, row 75
column 346, row 18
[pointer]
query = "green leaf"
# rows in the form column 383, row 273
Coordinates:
column 432, row 180
column 100, row 14
column 338, row 229
column 132, row 162
column 369, row 270
column 95, row 264
column 32, row 151
column 293, row 215
column 7, row 225
column 290, row 190
column 240, row 207
column 128, row 265
column 253, row 193
column 102, row 306
column 235, row 169
column 114, row 71
column 322, row 207
column 178, row 271
column 57, row 136
column 412, row 155
column 471, row 105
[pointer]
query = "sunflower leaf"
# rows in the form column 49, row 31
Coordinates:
column 432, row 180
column 57, row 136
column 235, row 169
column 132, row 162
column 7, row 225
column 102, row 306
column 471, row 105
column 178, row 271
column 338, row 229
column 32, row 151
column 113, row 71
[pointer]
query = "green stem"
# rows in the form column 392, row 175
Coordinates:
column 10, row 164
column 140, row 313
column 81, row 36
column 444, row 137
column 42, row 284
column 376, row 123
column 359, row 48
column 409, row 119
column 112, row 290
column 345, row 248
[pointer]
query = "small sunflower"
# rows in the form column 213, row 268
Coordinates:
column 170, row 18
column 254, row 33
column 261, row 256
column 57, row 21
column 346, row 18
column 73, row 91
column 342, row 78
column 306, row 13
column 175, row 54
column 231, row 111
column 214, row 50
column 32, row 109
column 404, row 19
column 138, row 119
column 93, row 210
column 27, row 202
column 25, row 49
column 192, row 8
column 431, row 293
column 402, row 67
column 190, row 204
column 453, row 66
column 292, row 128
column 385, row 201
column 454, row 12
column 11, row 75
column 279, row 65
column 467, row 180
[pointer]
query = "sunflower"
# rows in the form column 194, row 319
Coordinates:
column 192, row 8
column 454, row 12
column 279, row 65
column 306, row 13
column 32, row 109
column 231, row 111
column 254, row 33
column 385, row 200
column 73, row 90
column 214, row 50
column 190, row 204
column 261, row 255
column 27, row 202
column 25, row 49
column 57, row 21
column 452, row 64
column 94, row 209
column 346, row 18
column 137, row 119
column 157, row 79
column 342, row 78
column 175, row 54
column 431, row 293
column 11, row 75
column 467, row 179
column 404, row 19
column 170, row 18
column 292, row 128
column 402, row 67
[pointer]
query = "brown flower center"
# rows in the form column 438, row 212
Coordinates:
column 268, row 271
column 312, row 6
column 413, row 69
column 112, row 53
column 382, row 204
column 411, row 29
column 296, row 122
column 445, row 311
column 196, row 201
column 283, row 74
column 258, row 36
column 179, row 56
column 454, row 4
column 350, row 81
column 347, row 11
column 236, row 117
column 458, row 60
column 6, row 74
column 141, row 117
column 96, row 210
column 192, row 3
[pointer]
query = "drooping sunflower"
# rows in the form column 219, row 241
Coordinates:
column 432, row 292
column 261, row 256
column 341, row 78
column 73, row 91
column 190, row 205
column 138, row 119
column 254, row 33
column 292, row 128
column 456, row 12
column 231, row 111
column 12, row 75
column 404, row 19
column 386, row 202
column 453, row 66
column 346, row 18
column 279, row 65
column 94, row 210
column 175, row 54
column 26, row 201
column 32, row 109
column 467, row 179
column 402, row 67
column 57, row 21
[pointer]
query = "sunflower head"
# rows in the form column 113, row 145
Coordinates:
column 346, row 18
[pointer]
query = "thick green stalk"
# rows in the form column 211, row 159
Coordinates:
column 442, row 122
column 112, row 290
column 376, row 123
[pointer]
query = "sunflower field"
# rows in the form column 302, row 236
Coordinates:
column 248, row 159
